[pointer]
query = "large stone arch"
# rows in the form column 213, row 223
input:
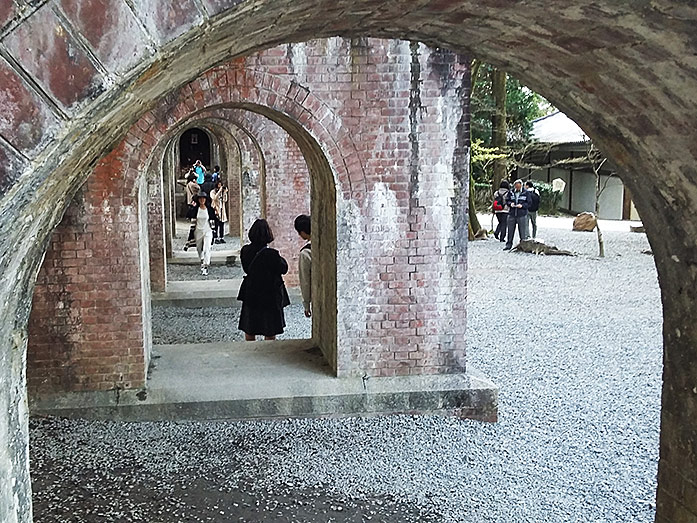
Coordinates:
column 626, row 72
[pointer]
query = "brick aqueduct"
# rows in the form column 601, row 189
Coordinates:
column 95, row 91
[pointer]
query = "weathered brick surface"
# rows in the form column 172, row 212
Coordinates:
column 14, row 165
column 167, row 19
column 27, row 123
column 624, row 70
column 86, row 328
column 104, row 24
column 395, row 118
column 45, row 48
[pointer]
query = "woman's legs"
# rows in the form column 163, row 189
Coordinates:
column 501, row 228
column 200, row 240
column 207, row 243
column 220, row 231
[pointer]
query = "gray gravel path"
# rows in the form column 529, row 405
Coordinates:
column 193, row 272
column 214, row 324
column 574, row 344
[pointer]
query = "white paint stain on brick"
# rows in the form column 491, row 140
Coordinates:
column 298, row 59
column 384, row 214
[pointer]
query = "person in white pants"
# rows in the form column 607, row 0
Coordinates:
column 205, row 221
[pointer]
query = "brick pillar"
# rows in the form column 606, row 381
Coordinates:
column 86, row 324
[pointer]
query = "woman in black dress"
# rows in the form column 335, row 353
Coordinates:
column 263, row 293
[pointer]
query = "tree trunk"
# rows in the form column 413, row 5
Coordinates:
column 475, row 227
column 601, row 243
column 499, row 129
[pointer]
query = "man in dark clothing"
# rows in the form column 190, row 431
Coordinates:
column 208, row 186
column 518, row 201
column 533, row 205
column 217, row 175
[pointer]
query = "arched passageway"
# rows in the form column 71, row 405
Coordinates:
column 194, row 145
column 626, row 73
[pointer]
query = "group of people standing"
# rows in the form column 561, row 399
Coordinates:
column 263, row 292
column 207, row 197
column 516, row 208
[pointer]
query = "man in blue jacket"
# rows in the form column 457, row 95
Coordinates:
column 518, row 200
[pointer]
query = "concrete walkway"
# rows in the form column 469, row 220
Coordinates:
column 271, row 379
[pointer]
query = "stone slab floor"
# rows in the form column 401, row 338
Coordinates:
column 574, row 344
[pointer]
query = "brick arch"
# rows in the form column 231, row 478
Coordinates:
column 161, row 201
column 626, row 72
column 147, row 138
column 248, row 130
column 273, row 96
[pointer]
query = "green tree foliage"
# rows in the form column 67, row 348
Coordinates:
column 522, row 107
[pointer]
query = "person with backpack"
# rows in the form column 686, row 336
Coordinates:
column 217, row 175
column 518, row 201
column 263, row 293
column 534, row 205
column 302, row 226
column 501, row 210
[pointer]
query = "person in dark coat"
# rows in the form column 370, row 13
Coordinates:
column 501, row 210
column 263, row 293
column 208, row 187
column 533, row 207
column 518, row 201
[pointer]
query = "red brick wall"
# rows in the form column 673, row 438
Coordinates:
column 85, row 328
column 391, row 118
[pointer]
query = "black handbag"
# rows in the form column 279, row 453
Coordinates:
column 244, row 286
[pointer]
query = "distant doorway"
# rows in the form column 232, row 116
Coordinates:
column 194, row 145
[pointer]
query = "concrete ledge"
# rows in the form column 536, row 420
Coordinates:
column 268, row 380
column 206, row 293
column 190, row 257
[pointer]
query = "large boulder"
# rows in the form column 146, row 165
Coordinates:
column 586, row 221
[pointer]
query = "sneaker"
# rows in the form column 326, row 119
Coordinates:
column 507, row 248
column 222, row 241
column 204, row 271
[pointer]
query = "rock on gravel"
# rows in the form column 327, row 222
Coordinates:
column 574, row 344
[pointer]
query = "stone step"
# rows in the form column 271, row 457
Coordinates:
column 246, row 380
column 206, row 293
column 190, row 257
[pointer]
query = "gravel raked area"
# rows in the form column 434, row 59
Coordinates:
column 215, row 324
column 193, row 272
column 573, row 343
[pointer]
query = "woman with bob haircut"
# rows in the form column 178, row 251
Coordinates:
column 263, row 292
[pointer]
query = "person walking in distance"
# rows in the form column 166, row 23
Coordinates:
column 217, row 175
column 533, row 206
column 191, row 189
column 219, row 198
column 200, row 171
column 501, row 210
column 263, row 292
column 203, row 233
column 518, row 202
column 302, row 225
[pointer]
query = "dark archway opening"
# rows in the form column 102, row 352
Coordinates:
column 194, row 145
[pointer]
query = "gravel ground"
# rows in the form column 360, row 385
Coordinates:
column 231, row 244
column 213, row 324
column 574, row 344
column 193, row 272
